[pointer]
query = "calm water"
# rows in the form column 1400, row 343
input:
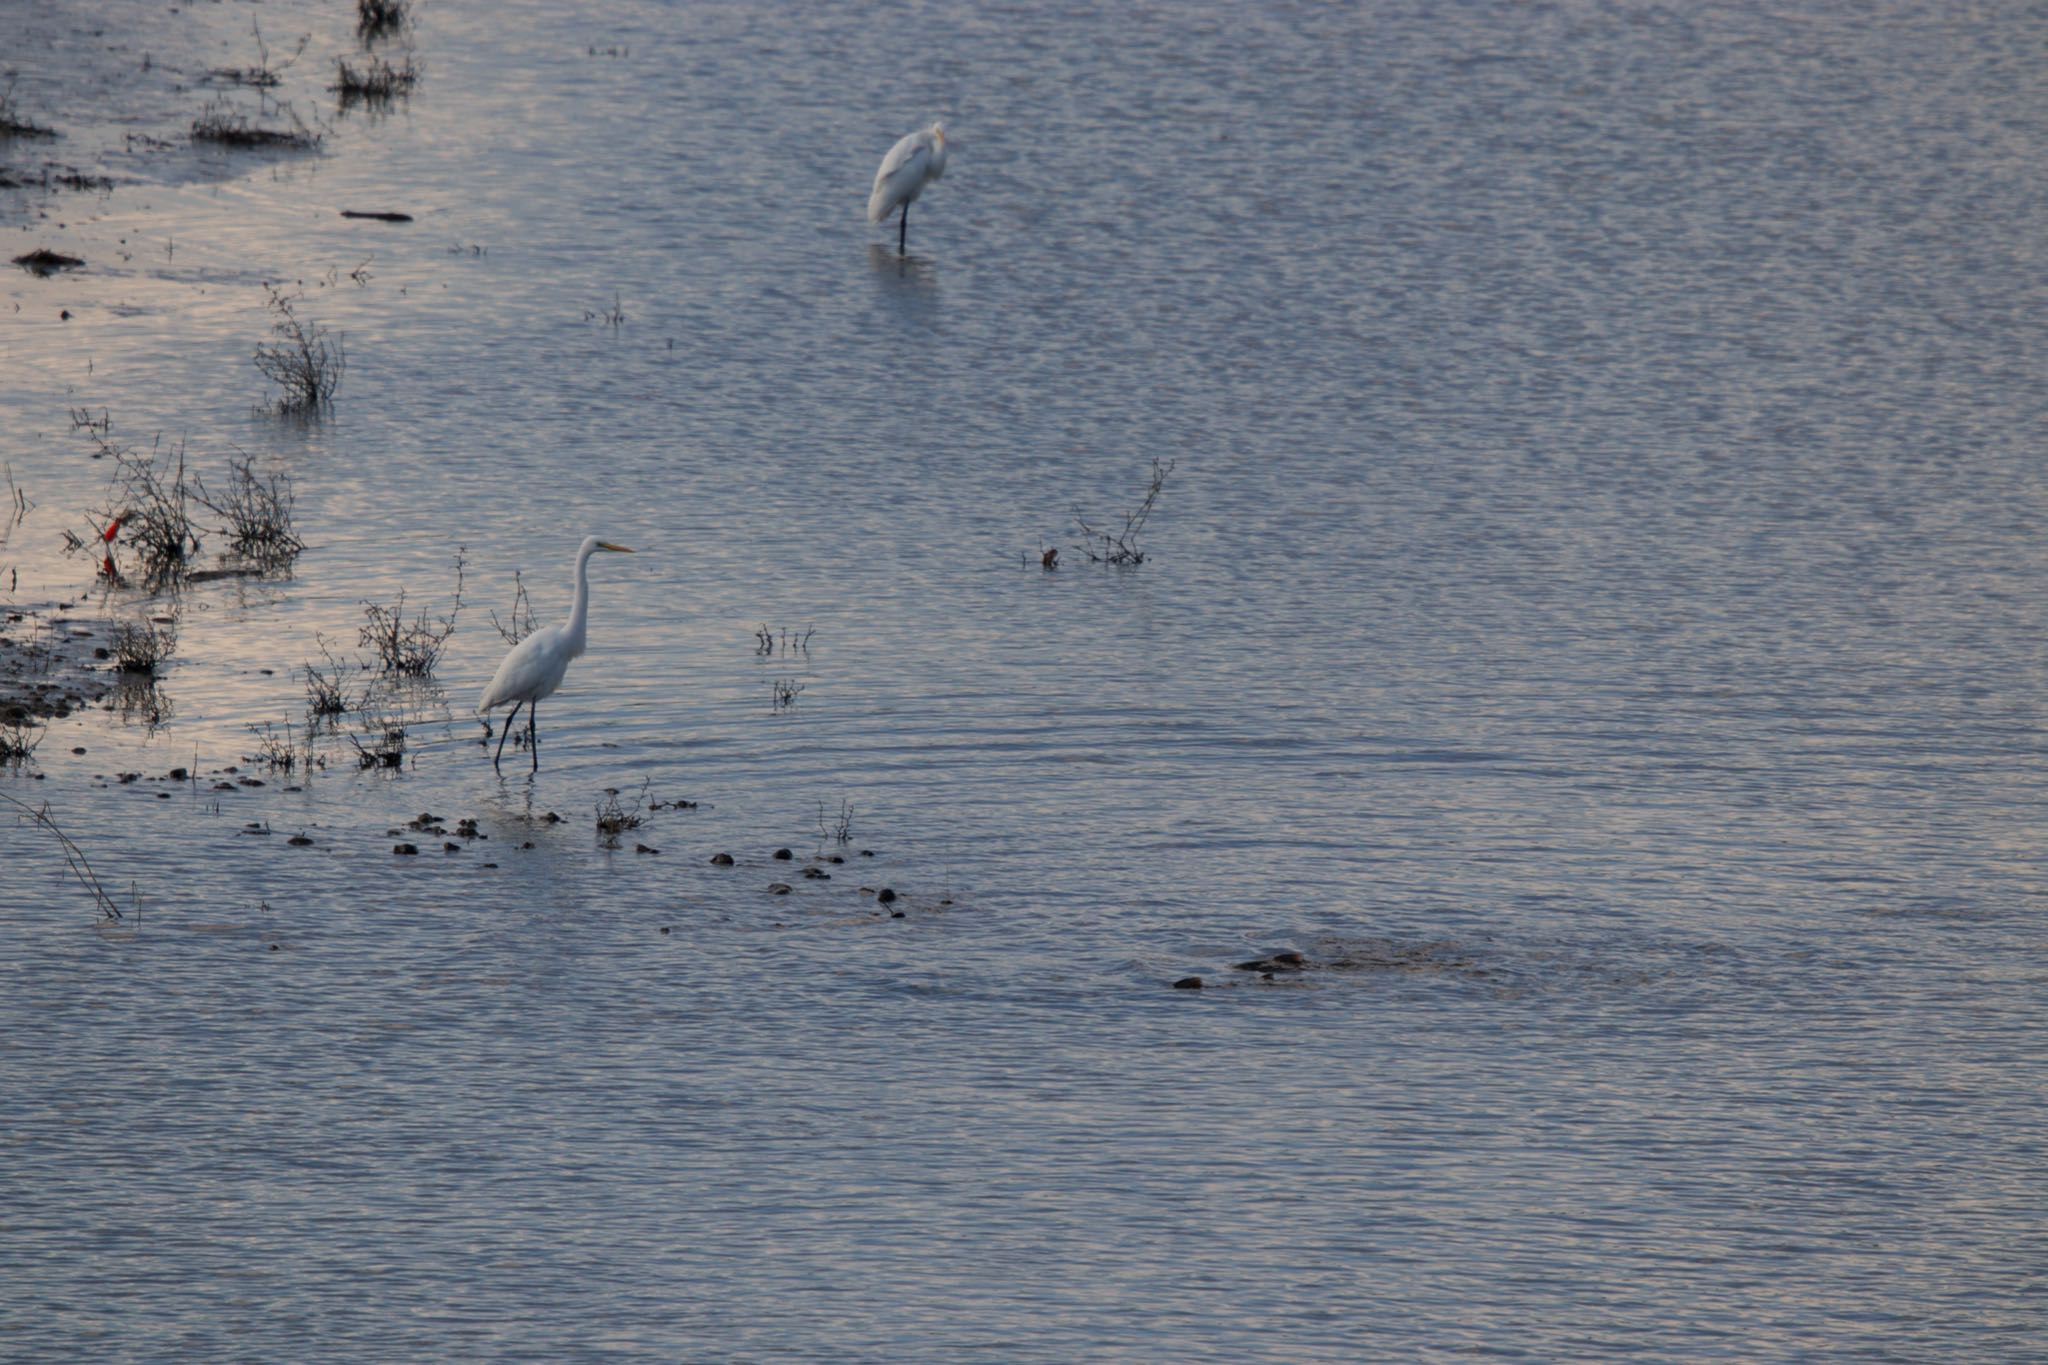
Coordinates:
column 1599, row 598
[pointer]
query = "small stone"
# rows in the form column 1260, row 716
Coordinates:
column 404, row 848
column 552, row 818
column 885, row 895
column 642, row 848
column 1188, row 983
column 835, row 858
column 79, row 750
column 451, row 847
column 817, row 874
column 273, row 947
column 867, row 853
column 223, row 786
column 779, row 888
column 490, row 864
column 896, row 914
column 527, row 844
column 782, row 855
column 664, row 928
column 176, row 774
column 721, row 860
column 298, row 841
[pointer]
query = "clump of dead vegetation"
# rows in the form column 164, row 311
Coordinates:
column 767, row 642
column 410, row 648
column 221, row 122
column 305, row 362
column 258, row 513
column 279, row 753
column 328, row 690
column 142, row 647
column 1121, row 547
column 381, row 745
column 19, row 737
column 381, row 18
column 375, row 81
column 15, row 123
column 615, row 818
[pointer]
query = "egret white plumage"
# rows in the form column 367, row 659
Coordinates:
column 535, row 667
column 912, row 163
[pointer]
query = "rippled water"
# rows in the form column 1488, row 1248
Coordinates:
column 1595, row 616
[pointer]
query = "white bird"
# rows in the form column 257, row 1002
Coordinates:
column 912, row 164
column 535, row 667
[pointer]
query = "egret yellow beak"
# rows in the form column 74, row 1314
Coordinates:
column 607, row 545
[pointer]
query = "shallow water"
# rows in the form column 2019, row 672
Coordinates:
column 1594, row 616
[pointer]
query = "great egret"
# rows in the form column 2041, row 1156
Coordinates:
column 536, row 664
column 913, row 163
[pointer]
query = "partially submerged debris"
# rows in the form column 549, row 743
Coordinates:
column 45, row 262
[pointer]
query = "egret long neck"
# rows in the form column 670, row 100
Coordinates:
column 579, row 615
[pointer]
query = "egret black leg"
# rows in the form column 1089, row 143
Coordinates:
column 533, row 735
column 510, row 716
column 903, row 230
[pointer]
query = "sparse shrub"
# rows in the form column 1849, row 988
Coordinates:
column 148, row 509
column 1103, row 547
column 381, row 745
column 327, row 688
column 410, row 648
column 786, row 691
column 18, row 739
column 375, row 82
column 305, row 362
column 141, row 647
column 276, row 752
column 521, row 624
column 259, row 514
column 840, row 829
column 221, row 122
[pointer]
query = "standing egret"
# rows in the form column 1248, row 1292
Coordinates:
column 536, row 664
column 912, row 164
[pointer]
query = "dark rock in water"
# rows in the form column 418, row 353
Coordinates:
column 79, row 750
column 817, row 874
column 885, row 895
column 897, row 914
column 273, row 947
column 176, row 774
column 527, row 844
column 867, row 853
column 779, row 888
column 552, row 818
column 835, row 858
column 298, row 841
column 450, row 846
column 1188, row 983
column 664, row 928
column 223, row 786
column 404, row 848
column 642, row 848
column 782, row 855
column 721, row 860
column 490, row 864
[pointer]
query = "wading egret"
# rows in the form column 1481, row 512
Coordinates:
column 536, row 664
column 912, row 164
